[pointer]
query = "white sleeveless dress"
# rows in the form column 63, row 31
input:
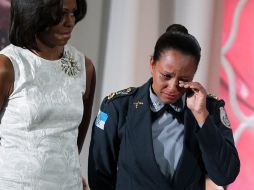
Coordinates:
column 39, row 123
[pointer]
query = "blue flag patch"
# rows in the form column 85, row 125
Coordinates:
column 101, row 119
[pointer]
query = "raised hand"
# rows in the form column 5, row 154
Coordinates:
column 196, row 100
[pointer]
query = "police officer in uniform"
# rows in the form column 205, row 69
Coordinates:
column 167, row 134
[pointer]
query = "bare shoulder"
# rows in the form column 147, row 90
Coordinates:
column 6, row 69
column 89, row 66
column 90, row 77
column 90, row 70
column 5, row 64
column 6, row 79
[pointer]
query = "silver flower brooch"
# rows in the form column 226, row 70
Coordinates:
column 69, row 65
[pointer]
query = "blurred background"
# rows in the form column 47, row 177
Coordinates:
column 119, row 37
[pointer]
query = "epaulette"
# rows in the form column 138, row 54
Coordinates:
column 213, row 96
column 120, row 93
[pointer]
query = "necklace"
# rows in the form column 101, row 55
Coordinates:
column 69, row 65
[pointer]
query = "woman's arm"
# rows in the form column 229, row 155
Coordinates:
column 214, row 136
column 216, row 143
column 87, row 102
column 6, row 79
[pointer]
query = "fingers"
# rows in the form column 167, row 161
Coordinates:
column 85, row 186
column 194, row 86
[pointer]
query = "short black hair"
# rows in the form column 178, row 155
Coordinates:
column 177, row 37
column 31, row 17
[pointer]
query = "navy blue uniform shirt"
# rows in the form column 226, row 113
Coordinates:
column 121, row 155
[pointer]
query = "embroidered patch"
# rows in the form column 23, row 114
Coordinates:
column 224, row 118
column 101, row 119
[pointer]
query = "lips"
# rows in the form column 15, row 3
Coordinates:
column 66, row 35
column 169, row 96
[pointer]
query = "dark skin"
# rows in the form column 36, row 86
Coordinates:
column 6, row 88
column 87, row 102
column 7, row 82
column 51, row 44
column 6, row 79
column 172, row 77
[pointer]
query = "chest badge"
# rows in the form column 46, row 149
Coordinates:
column 137, row 104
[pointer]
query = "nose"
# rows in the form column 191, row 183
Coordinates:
column 173, row 85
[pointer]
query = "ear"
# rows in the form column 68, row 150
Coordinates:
column 152, row 65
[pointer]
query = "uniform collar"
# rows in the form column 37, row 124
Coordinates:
column 156, row 103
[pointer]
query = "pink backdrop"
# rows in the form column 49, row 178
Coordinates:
column 241, row 58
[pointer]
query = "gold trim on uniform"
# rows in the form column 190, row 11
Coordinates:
column 111, row 95
column 213, row 96
column 121, row 92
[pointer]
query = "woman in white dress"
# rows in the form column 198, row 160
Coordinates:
column 46, row 94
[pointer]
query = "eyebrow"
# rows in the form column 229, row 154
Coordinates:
column 168, row 74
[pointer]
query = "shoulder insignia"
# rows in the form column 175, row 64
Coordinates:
column 224, row 118
column 110, row 96
column 213, row 96
column 101, row 119
column 124, row 92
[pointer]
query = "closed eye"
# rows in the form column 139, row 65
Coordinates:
column 185, row 80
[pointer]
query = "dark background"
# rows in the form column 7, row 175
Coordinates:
column 4, row 22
